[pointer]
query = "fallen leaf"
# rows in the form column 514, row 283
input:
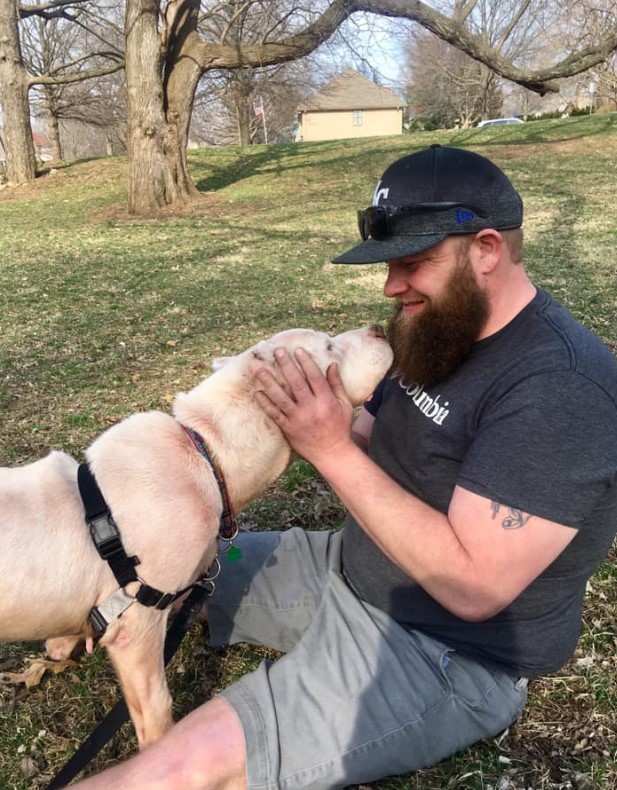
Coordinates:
column 33, row 673
column 28, row 768
column 9, row 663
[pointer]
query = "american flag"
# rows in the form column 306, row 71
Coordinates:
column 258, row 107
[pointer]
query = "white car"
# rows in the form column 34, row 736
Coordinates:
column 499, row 122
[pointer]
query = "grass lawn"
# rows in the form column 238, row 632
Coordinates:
column 102, row 315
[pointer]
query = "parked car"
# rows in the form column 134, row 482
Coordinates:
column 499, row 122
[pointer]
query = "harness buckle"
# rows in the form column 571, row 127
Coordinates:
column 105, row 535
column 98, row 622
column 112, row 608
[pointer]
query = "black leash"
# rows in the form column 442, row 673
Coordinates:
column 119, row 714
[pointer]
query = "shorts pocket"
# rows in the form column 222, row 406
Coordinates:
column 470, row 682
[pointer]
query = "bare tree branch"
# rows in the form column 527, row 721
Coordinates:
column 53, row 10
column 541, row 81
column 516, row 18
column 79, row 76
column 223, row 56
column 463, row 8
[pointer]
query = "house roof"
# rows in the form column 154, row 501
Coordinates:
column 352, row 91
column 40, row 140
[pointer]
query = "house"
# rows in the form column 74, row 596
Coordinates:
column 42, row 148
column 350, row 106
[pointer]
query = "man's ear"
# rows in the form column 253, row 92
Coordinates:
column 487, row 245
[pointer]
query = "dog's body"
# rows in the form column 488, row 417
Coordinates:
column 166, row 503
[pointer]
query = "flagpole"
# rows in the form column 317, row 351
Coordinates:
column 263, row 118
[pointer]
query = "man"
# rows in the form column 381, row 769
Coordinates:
column 481, row 484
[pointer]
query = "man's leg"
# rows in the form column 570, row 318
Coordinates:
column 203, row 751
column 206, row 748
column 357, row 697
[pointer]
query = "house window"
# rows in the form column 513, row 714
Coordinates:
column 357, row 117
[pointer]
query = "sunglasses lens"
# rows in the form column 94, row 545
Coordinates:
column 362, row 225
column 373, row 223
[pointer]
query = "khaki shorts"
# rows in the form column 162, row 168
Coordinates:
column 356, row 697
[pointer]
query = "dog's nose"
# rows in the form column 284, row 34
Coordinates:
column 376, row 331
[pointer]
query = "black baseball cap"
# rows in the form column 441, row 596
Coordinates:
column 425, row 197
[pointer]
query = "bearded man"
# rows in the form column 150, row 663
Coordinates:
column 481, row 485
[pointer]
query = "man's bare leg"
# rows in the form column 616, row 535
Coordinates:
column 203, row 751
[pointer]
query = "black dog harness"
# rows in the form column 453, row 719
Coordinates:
column 106, row 538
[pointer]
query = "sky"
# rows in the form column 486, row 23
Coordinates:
column 377, row 43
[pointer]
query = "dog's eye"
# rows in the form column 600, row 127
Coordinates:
column 258, row 356
column 330, row 346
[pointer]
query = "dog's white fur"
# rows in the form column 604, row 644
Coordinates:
column 166, row 503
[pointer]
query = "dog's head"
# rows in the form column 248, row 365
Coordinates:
column 249, row 447
column 363, row 357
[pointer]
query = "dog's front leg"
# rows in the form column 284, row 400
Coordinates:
column 63, row 647
column 136, row 652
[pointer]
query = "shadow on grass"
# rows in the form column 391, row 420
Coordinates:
column 364, row 152
column 279, row 159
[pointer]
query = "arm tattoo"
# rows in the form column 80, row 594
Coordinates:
column 514, row 519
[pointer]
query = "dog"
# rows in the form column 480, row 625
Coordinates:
column 167, row 504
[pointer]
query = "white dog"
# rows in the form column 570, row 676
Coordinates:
column 167, row 504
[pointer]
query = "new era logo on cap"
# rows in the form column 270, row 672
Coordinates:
column 463, row 215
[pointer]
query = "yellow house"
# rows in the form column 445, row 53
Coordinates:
column 350, row 106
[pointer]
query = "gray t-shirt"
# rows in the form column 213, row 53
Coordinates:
column 528, row 420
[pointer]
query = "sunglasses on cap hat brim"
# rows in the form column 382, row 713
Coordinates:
column 375, row 222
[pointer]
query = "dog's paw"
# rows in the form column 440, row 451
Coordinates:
column 62, row 647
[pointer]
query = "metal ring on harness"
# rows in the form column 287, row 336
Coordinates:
column 228, row 540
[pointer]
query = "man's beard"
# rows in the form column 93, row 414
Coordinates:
column 429, row 347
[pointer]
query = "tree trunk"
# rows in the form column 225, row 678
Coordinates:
column 182, row 73
column 53, row 126
column 159, row 110
column 17, row 132
column 244, row 119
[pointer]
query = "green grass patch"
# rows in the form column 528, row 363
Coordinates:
column 102, row 315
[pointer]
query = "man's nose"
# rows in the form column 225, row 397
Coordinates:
column 396, row 282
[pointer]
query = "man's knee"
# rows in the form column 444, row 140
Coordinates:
column 210, row 744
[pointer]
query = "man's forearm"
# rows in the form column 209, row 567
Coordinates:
column 413, row 535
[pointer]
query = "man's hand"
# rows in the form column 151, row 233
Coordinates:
column 311, row 409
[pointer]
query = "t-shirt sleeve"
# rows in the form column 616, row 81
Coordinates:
column 374, row 402
column 548, row 446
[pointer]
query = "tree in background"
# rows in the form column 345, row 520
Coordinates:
column 250, row 93
column 16, row 80
column 17, row 132
column 244, row 106
column 586, row 22
column 167, row 53
column 164, row 66
column 54, row 47
column 446, row 87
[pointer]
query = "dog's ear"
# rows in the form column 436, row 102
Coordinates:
column 219, row 362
